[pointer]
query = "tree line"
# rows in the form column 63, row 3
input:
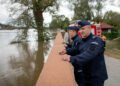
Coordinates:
column 92, row 10
column 31, row 13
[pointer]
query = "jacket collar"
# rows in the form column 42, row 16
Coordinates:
column 85, row 39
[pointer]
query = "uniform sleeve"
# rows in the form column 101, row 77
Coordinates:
column 68, row 46
column 90, row 53
column 73, row 50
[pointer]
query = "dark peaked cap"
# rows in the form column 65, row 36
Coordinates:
column 83, row 23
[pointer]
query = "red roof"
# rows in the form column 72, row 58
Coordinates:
column 107, row 26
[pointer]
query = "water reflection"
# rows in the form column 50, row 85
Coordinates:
column 21, row 63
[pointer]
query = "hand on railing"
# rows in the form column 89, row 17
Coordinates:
column 65, row 45
column 62, row 52
column 66, row 57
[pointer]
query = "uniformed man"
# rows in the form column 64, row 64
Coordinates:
column 90, row 63
column 76, row 40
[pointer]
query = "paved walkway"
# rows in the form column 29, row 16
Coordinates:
column 113, row 67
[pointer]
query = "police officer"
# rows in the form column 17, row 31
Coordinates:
column 76, row 40
column 90, row 60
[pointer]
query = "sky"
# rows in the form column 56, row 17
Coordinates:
column 64, row 10
column 4, row 17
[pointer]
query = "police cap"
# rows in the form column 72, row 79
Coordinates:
column 83, row 23
column 74, row 28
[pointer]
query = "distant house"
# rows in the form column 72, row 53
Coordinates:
column 106, row 27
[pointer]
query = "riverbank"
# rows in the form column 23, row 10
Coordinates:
column 113, row 48
column 9, row 27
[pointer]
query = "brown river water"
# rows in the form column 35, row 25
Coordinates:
column 21, row 62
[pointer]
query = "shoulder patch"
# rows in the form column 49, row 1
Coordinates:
column 92, row 47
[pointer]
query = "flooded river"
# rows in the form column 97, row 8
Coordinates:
column 21, row 62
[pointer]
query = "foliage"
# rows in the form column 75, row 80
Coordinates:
column 112, row 18
column 59, row 21
column 114, row 34
column 88, row 9
column 82, row 10
column 98, row 10
column 28, row 11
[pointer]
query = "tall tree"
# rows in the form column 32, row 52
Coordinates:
column 87, row 9
column 112, row 18
column 31, row 13
column 82, row 10
column 59, row 21
column 98, row 10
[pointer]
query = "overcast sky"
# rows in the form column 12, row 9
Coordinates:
column 64, row 10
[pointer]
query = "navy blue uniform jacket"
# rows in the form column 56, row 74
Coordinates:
column 73, row 48
column 91, row 58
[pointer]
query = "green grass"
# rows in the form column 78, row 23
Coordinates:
column 113, row 48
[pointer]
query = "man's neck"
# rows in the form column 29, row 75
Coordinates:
column 87, row 37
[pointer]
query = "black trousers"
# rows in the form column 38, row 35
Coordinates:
column 79, row 77
column 99, row 83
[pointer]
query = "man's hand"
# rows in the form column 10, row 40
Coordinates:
column 65, row 45
column 66, row 57
column 62, row 52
